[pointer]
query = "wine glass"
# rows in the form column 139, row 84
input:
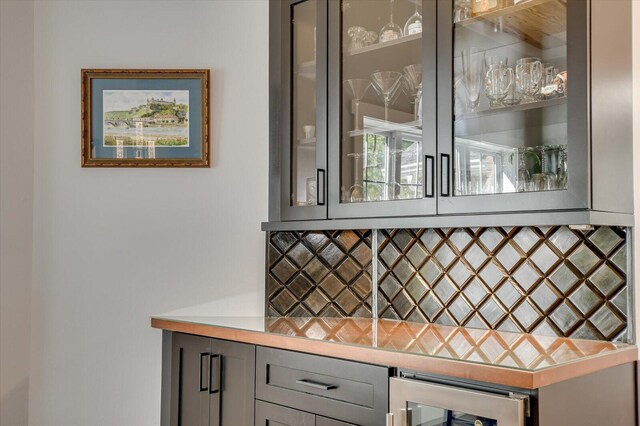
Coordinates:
column 386, row 83
column 357, row 190
column 472, row 67
column 413, row 78
column 390, row 31
column 414, row 23
column 524, row 177
column 358, row 88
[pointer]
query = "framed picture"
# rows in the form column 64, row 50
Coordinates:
column 145, row 118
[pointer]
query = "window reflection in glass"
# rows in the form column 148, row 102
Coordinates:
column 424, row 415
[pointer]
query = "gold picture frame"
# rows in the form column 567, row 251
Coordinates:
column 145, row 118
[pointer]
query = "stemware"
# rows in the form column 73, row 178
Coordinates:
column 370, row 38
column 414, row 23
column 358, row 37
column 562, row 168
column 358, row 88
column 524, row 177
column 472, row 67
column 391, row 31
column 528, row 78
column 513, row 95
column 413, row 79
column 386, row 83
column 356, row 191
column 497, row 80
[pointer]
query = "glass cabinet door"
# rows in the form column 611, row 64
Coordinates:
column 304, row 109
column 382, row 107
column 516, row 138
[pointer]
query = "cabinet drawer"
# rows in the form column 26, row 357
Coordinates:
column 344, row 390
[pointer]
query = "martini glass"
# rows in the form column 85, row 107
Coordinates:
column 386, row 83
column 413, row 77
column 414, row 23
column 391, row 31
column 357, row 88
column 357, row 190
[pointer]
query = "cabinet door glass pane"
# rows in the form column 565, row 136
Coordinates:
column 510, row 96
column 381, row 117
column 303, row 102
column 424, row 415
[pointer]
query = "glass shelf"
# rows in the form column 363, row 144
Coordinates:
column 514, row 108
column 415, row 38
column 380, row 126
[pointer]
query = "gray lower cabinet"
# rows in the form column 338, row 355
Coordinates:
column 276, row 415
column 207, row 382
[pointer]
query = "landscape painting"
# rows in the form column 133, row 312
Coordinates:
column 145, row 118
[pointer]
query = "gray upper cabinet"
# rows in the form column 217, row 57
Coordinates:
column 449, row 107
column 207, row 382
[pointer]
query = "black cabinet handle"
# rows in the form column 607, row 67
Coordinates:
column 320, row 187
column 204, row 382
column 429, row 176
column 215, row 371
column 315, row 385
column 444, row 177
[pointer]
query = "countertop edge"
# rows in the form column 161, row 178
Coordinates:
column 446, row 367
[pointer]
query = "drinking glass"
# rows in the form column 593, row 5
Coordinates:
column 513, row 95
column 358, row 88
column 413, row 79
column 391, row 31
column 472, row 68
column 497, row 80
column 386, row 83
column 524, row 177
column 357, row 35
column 370, row 38
column 528, row 78
column 414, row 23
column 356, row 192
column 549, row 89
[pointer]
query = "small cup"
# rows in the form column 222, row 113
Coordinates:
column 309, row 131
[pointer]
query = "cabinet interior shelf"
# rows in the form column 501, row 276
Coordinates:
column 378, row 46
column 534, row 21
column 514, row 108
column 385, row 127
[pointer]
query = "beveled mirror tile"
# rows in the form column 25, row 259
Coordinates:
column 475, row 292
column 330, row 312
column 620, row 258
column 431, row 306
column 606, row 322
column 564, row 317
column 564, row 278
column 476, row 322
column 347, row 301
column 508, row 256
column 272, row 254
column 444, row 290
column 317, row 240
column 348, row 269
column 389, row 254
column 390, row 286
column 444, row 255
column 491, row 311
column 316, row 270
column 564, row 239
column 417, row 316
column 347, row 239
column 332, row 285
column 544, row 258
column 402, row 239
column 283, row 240
column 544, row 297
column 459, row 273
column 362, row 254
column 460, row 239
column 585, row 299
column 300, row 286
column 299, row 255
column 362, row 286
column 586, row 331
column 417, row 255
column 526, row 276
column 526, row 315
column 459, row 309
column 508, row 294
column 620, row 300
column 316, row 301
column 584, row 259
column 402, row 304
column 332, row 254
column 283, row 302
column 605, row 239
column 283, row 270
column 491, row 238
column 509, row 325
column 430, row 238
column 430, row 272
column 475, row 256
column 300, row 311
column 403, row 270
column 606, row 279
column 273, row 286
column 445, row 318
column 491, row 274
column 417, row 287
column 526, row 238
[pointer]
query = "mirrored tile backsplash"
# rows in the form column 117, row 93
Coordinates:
column 543, row 280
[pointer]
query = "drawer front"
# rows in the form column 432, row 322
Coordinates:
column 275, row 415
column 345, row 390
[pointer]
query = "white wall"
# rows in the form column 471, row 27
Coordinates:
column 16, row 206
column 114, row 246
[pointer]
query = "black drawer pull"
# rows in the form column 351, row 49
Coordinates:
column 315, row 385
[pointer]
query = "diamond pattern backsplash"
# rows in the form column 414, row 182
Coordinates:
column 552, row 281
column 319, row 274
column 542, row 280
